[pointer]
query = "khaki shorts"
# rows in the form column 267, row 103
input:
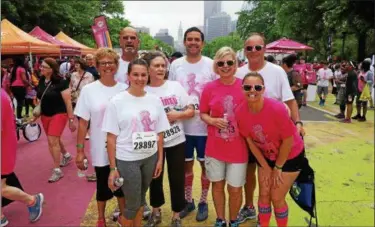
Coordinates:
column 233, row 173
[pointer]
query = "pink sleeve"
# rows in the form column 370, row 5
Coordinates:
column 242, row 127
column 205, row 99
column 285, row 123
column 5, row 108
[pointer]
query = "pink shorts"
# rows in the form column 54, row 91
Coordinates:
column 54, row 125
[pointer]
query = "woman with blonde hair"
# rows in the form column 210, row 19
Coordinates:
column 226, row 151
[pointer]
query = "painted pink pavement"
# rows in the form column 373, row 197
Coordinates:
column 66, row 201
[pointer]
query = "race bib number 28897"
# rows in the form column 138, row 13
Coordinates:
column 145, row 142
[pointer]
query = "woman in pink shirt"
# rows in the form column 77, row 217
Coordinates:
column 19, row 83
column 275, row 142
column 226, row 151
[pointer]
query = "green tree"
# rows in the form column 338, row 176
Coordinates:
column 233, row 40
column 149, row 43
column 115, row 24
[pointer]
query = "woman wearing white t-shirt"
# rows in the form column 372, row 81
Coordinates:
column 135, row 121
column 178, row 107
column 91, row 105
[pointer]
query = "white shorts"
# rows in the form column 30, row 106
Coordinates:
column 233, row 173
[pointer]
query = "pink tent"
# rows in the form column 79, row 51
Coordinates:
column 280, row 51
column 66, row 49
column 287, row 44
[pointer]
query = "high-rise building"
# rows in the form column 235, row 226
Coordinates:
column 233, row 26
column 218, row 25
column 180, row 33
column 211, row 8
column 163, row 35
column 142, row 30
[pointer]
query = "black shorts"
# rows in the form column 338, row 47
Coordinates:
column 305, row 86
column 5, row 176
column 349, row 99
column 292, row 165
column 103, row 193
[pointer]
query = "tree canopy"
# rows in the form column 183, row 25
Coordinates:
column 312, row 22
column 232, row 40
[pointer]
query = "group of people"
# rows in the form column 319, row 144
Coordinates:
column 143, row 111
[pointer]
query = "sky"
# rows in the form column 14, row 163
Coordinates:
column 168, row 14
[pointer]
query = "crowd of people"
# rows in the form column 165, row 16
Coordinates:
column 140, row 111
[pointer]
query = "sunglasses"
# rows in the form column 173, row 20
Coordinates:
column 222, row 63
column 256, row 47
column 257, row 87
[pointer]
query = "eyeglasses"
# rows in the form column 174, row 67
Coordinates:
column 222, row 63
column 257, row 87
column 44, row 67
column 108, row 63
column 257, row 48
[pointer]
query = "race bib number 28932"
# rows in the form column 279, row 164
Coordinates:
column 145, row 142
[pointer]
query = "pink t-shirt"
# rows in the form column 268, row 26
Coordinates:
column 225, row 145
column 301, row 68
column 18, row 81
column 269, row 127
column 8, row 135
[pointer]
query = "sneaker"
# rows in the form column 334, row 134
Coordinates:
column 362, row 119
column 188, row 208
column 116, row 214
column 100, row 223
column 57, row 174
column 304, row 104
column 153, row 220
column 4, row 221
column 176, row 223
column 234, row 224
column 202, row 213
column 321, row 103
column 146, row 212
column 220, row 223
column 65, row 160
column 340, row 116
column 246, row 213
column 346, row 121
column 356, row 117
column 87, row 137
column 36, row 210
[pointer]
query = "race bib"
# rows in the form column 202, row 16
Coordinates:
column 145, row 142
column 195, row 100
column 172, row 133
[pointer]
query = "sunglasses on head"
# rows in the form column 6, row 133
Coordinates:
column 257, row 87
column 222, row 63
column 256, row 47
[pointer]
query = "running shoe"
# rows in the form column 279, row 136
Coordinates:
column 202, row 213
column 176, row 223
column 346, row 121
column 4, row 221
column 57, row 174
column 340, row 116
column 36, row 210
column 153, row 220
column 188, row 208
column 220, row 223
column 146, row 212
column 234, row 224
column 65, row 160
column 100, row 223
column 362, row 119
column 246, row 213
column 356, row 117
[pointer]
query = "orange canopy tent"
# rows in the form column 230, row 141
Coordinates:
column 16, row 41
column 66, row 39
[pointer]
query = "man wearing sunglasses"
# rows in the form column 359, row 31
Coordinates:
column 276, row 87
column 129, row 42
column 193, row 71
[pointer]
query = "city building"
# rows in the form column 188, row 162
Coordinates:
column 233, row 26
column 142, row 30
column 163, row 35
column 211, row 8
column 180, row 33
column 218, row 25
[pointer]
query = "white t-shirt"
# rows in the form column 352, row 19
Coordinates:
column 173, row 96
column 275, row 81
column 128, row 117
column 91, row 105
column 193, row 77
column 122, row 72
column 323, row 77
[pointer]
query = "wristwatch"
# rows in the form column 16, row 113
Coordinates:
column 113, row 169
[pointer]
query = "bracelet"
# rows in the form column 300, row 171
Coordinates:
column 113, row 169
column 299, row 122
column 80, row 145
column 278, row 167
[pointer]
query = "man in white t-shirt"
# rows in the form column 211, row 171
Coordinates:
column 129, row 42
column 276, row 87
column 323, row 76
column 193, row 71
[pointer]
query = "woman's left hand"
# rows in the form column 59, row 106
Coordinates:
column 158, row 169
column 277, row 178
column 72, row 126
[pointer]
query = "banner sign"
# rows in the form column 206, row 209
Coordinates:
column 100, row 32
